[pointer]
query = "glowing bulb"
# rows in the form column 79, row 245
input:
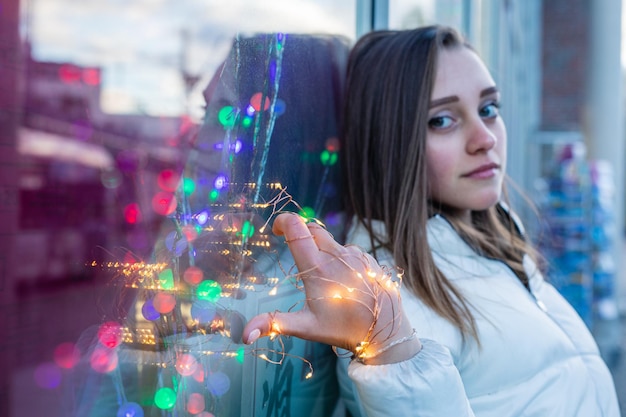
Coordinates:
column 337, row 296
column 273, row 291
column 371, row 274
column 309, row 375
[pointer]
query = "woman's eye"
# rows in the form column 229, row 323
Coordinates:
column 440, row 122
column 490, row 111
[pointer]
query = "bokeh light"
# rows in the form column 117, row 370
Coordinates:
column 164, row 203
column 186, row 364
column 202, row 217
column 227, row 116
column 111, row 178
column 255, row 102
column 189, row 186
column 195, row 403
column 66, row 355
column 329, row 158
column 149, row 312
column 209, row 290
column 166, row 279
column 193, row 275
column 103, row 360
column 165, row 398
column 203, row 311
column 48, row 375
column 241, row 352
column 168, row 180
column 190, row 232
column 110, row 334
column 220, row 182
column 218, row 383
column 132, row 213
column 307, row 212
column 164, row 302
column 130, row 410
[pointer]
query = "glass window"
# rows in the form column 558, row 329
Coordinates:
column 148, row 143
column 406, row 14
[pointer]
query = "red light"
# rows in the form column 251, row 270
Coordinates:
column 132, row 213
column 91, row 76
column 69, row 74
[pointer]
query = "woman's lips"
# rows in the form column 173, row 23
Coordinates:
column 484, row 171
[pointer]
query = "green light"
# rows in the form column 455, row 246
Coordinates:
column 213, row 195
column 166, row 279
column 209, row 290
column 165, row 398
column 307, row 213
column 240, row 354
column 329, row 158
column 246, row 122
column 189, row 186
column 247, row 229
column 227, row 116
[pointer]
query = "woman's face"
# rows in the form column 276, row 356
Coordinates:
column 466, row 139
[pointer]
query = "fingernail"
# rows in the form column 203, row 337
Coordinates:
column 253, row 336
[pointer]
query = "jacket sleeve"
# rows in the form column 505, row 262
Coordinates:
column 427, row 385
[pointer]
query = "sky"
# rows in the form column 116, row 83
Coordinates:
column 139, row 43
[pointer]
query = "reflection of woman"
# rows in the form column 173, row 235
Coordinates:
column 425, row 153
column 271, row 118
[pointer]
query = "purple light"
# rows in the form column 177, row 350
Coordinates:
column 220, row 182
column 250, row 110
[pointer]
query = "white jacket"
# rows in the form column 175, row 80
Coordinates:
column 537, row 357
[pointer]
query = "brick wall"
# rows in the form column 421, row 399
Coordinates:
column 565, row 43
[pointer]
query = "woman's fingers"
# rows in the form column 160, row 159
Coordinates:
column 296, row 324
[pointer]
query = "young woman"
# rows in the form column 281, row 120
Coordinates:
column 478, row 332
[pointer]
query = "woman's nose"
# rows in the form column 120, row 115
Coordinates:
column 480, row 137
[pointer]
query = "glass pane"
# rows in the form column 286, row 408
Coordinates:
column 148, row 144
column 407, row 14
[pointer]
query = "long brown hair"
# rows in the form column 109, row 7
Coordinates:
column 389, row 85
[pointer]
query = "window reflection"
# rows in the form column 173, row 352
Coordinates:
column 110, row 101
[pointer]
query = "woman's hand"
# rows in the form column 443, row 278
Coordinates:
column 351, row 301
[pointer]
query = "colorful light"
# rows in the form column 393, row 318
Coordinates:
column 168, row 180
column 307, row 212
column 220, row 182
column 110, row 334
column 189, row 186
column 164, row 302
column 186, row 365
column 227, row 116
column 328, row 158
column 195, row 403
column 202, row 217
column 165, row 398
column 149, row 312
column 130, row 410
column 255, row 102
column 332, row 144
column 218, row 383
column 193, row 275
column 164, row 203
column 214, row 195
column 47, row 375
column 132, row 213
column 166, row 279
column 209, row 290
column 203, row 311
column 279, row 107
column 103, row 360
column 66, row 355
column 241, row 352
column 190, row 232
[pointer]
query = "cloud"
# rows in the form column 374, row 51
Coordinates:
column 139, row 43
